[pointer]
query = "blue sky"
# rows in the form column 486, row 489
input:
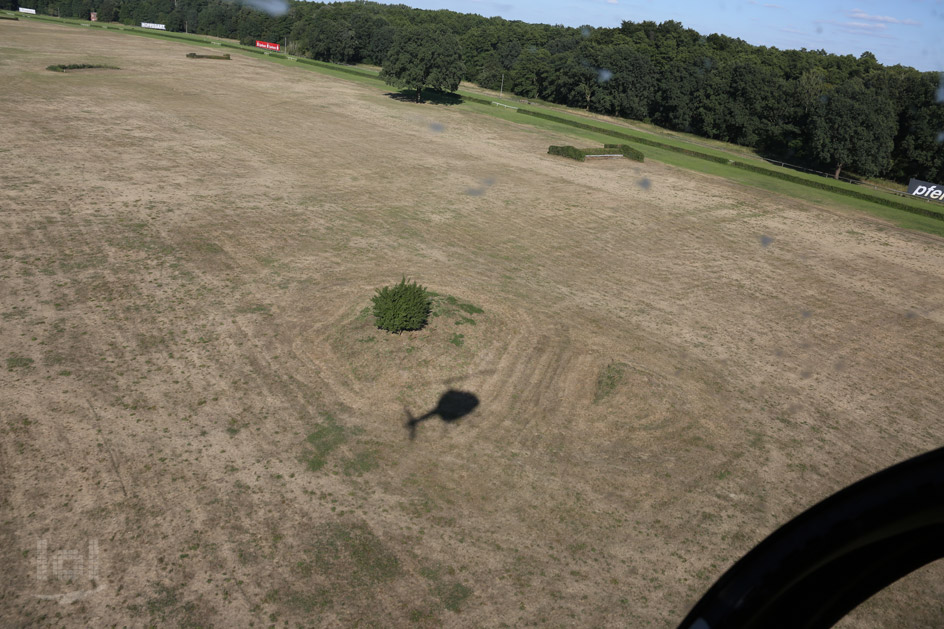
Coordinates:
column 909, row 32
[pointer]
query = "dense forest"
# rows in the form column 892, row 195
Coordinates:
column 822, row 110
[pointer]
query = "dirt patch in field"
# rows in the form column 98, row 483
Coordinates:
column 201, row 425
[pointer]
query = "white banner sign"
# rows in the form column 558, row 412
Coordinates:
column 926, row 190
column 22, row 10
column 159, row 27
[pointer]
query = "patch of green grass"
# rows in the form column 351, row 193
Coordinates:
column 352, row 554
column 166, row 605
column 262, row 309
column 204, row 246
column 469, row 308
column 457, row 339
column 363, row 461
column 308, row 601
column 452, row 594
column 15, row 361
column 449, row 306
column 610, row 377
column 418, row 616
column 323, row 441
column 16, row 313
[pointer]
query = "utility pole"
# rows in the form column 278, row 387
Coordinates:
column 502, row 89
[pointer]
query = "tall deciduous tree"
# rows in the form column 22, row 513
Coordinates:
column 424, row 57
column 856, row 128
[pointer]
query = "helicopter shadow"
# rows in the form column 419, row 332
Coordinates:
column 453, row 405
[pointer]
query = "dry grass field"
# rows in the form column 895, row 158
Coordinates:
column 668, row 365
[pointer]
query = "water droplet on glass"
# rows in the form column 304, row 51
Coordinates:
column 644, row 183
column 604, row 75
column 765, row 241
column 272, row 7
column 437, row 127
column 480, row 190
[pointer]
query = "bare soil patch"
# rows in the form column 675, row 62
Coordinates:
column 668, row 366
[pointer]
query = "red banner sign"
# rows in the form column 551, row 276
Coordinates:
column 267, row 45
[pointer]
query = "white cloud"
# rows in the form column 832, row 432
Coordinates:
column 859, row 14
column 864, row 25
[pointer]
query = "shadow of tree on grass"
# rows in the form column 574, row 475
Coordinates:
column 428, row 95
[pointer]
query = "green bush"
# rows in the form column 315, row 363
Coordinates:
column 401, row 307
column 566, row 151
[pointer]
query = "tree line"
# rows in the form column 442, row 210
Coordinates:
column 805, row 106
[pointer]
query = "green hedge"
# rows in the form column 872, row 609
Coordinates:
column 567, row 151
column 608, row 149
column 603, row 151
column 627, row 151
column 825, row 185
column 193, row 55
column 623, row 136
column 475, row 99
column 78, row 66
